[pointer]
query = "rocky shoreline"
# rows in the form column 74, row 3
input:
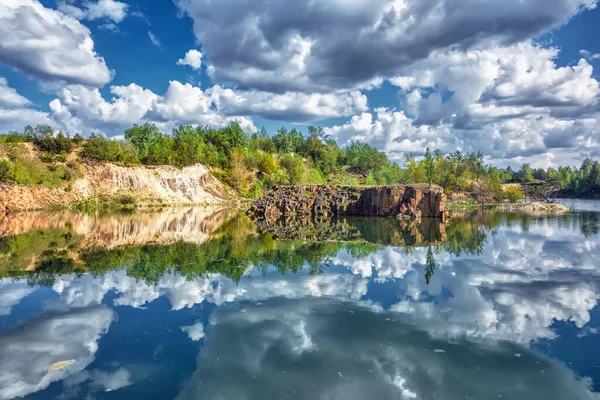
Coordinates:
column 534, row 207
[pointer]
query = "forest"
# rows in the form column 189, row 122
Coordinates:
column 251, row 163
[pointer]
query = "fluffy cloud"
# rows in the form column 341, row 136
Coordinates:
column 9, row 98
column 16, row 111
column 86, row 291
column 82, row 109
column 193, row 58
column 25, row 352
column 195, row 332
column 91, row 10
column 541, row 139
column 495, row 84
column 508, row 102
column 49, row 44
column 300, row 349
column 312, row 45
column 12, row 294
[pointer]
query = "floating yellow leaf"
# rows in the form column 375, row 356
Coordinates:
column 57, row 366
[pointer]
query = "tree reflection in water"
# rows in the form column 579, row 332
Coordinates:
column 233, row 245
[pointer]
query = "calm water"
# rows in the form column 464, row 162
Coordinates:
column 203, row 304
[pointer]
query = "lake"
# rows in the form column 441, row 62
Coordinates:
column 205, row 303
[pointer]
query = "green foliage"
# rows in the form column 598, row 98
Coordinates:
column 15, row 137
column 54, row 143
column 430, row 166
column 294, row 169
column 23, row 168
column 289, row 157
column 5, row 170
column 101, row 149
column 513, row 194
column 142, row 137
column 364, row 158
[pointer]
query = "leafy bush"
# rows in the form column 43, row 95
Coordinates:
column 101, row 149
column 513, row 194
column 56, row 144
column 15, row 137
column 5, row 171
column 48, row 158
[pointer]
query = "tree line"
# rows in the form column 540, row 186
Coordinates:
column 251, row 162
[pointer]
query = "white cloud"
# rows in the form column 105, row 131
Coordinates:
column 82, row 109
column 195, row 332
column 153, row 39
column 16, row 111
column 92, row 10
column 193, row 58
column 340, row 44
column 588, row 55
column 26, row 352
column 49, row 44
column 497, row 83
column 12, row 294
column 302, row 346
column 9, row 97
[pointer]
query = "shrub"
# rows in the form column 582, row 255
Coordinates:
column 294, row 167
column 5, row 171
column 48, row 158
column 56, row 144
column 15, row 137
column 101, row 149
column 66, row 176
column 68, row 188
column 513, row 194
column 77, row 138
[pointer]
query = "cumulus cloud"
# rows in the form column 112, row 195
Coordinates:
column 193, row 58
column 195, row 332
column 92, row 10
column 181, row 293
column 48, row 44
column 26, row 351
column 507, row 102
column 495, row 84
column 300, row 349
column 9, row 98
column 12, row 294
column 311, row 45
column 16, row 110
column 539, row 138
column 83, row 109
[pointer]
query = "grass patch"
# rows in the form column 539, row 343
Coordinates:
column 99, row 203
column 21, row 166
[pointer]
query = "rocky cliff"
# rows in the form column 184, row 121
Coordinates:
column 161, row 185
column 323, row 201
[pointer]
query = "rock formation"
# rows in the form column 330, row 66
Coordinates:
column 323, row 201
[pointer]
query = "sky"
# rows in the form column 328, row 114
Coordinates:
column 514, row 79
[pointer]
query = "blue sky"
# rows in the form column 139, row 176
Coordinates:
column 516, row 79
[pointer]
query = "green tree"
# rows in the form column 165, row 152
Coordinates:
column 430, row 167
column 142, row 137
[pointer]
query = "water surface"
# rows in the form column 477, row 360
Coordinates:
column 196, row 303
